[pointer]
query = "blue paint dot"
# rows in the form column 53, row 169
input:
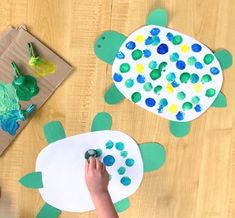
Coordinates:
column 125, row 181
column 175, row 84
column 155, row 31
column 140, row 79
column 170, row 36
column 117, row 77
column 149, row 41
column 163, row 102
column 109, row 144
column 119, row 146
column 180, row 65
column 124, row 153
column 214, row 70
column 147, row 53
column 194, row 78
column 120, row 55
column 196, row 47
column 150, row 102
column 171, row 77
column 180, row 115
column 130, row 45
column 198, row 108
column 108, row 160
column 162, row 49
column 129, row 162
column 121, row 170
column 198, row 65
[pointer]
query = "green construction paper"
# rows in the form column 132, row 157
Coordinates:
column 153, row 155
column 122, row 205
column 102, row 121
column 54, row 131
column 179, row 129
column 107, row 45
column 32, row 180
column 47, row 211
column 225, row 58
column 158, row 17
column 220, row 101
column 113, row 95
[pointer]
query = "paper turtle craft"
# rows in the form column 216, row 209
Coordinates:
column 164, row 71
column 59, row 174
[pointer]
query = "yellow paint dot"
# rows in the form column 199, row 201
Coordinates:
column 139, row 68
column 170, row 88
column 139, row 39
column 173, row 108
column 184, row 48
column 198, row 87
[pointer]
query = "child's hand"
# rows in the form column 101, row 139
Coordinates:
column 96, row 177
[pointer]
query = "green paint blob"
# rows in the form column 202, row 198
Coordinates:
column 157, row 89
column 184, row 77
column 125, row 67
column 181, row 95
column 187, row 106
column 206, row 78
column 162, row 66
column 195, row 99
column 177, row 40
column 152, row 65
column 136, row 97
column 208, row 58
column 121, row 170
column 155, row 74
column 129, row 83
column 148, row 87
column 210, row 92
column 98, row 152
column 191, row 61
column 137, row 54
column 124, row 154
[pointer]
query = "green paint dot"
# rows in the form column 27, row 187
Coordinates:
column 206, row 78
column 137, row 54
column 155, row 74
column 98, row 152
column 208, row 58
column 121, row 170
column 187, row 106
column 152, row 65
column 191, row 61
column 129, row 83
column 125, row 67
column 210, row 92
column 177, row 40
column 181, row 95
column 157, row 89
column 162, row 66
column 195, row 99
column 148, row 87
column 184, row 77
column 124, row 154
column 136, row 97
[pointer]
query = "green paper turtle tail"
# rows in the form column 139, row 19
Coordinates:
column 107, row 45
column 153, row 155
column 225, row 58
column 220, row 101
column 113, row 95
column 102, row 121
column 32, row 180
column 179, row 129
column 158, row 17
column 122, row 205
column 47, row 211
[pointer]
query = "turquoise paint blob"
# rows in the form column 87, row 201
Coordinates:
column 109, row 144
column 108, row 160
column 195, row 99
column 152, row 65
column 121, row 170
column 119, row 146
column 170, row 77
column 174, row 57
column 194, row 78
column 130, row 162
column 124, row 154
column 129, row 83
column 120, row 55
column 125, row 180
column 181, row 95
column 191, row 61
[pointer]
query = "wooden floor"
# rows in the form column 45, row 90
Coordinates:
column 198, row 179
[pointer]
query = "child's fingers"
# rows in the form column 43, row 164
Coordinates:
column 86, row 166
column 92, row 163
column 99, row 165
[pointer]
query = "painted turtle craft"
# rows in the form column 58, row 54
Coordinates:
column 164, row 71
column 60, row 173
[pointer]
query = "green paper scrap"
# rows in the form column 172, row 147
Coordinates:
column 153, row 154
column 179, row 129
column 122, row 205
column 107, row 45
column 102, row 121
column 113, row 95
column 225, row 58
column 54, row 131
column 32, row 180
column 220, row 101
column 47, row 211
column 158, row 17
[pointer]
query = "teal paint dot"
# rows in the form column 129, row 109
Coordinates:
column 156, row 40
column 192, row 61
column 129, row 83
column 152, row 65
column 195, row 99
column 148, row 86
column 125, row 67
column 124, row 154
column 108, row 160
column 157, row 89
column 177, row 40
column 129, row 162
column 109, row 144
column 125, row 181
column 99, row 152
column 210, row 92
column 206, row 78
column 119, row 146
column 170, row 77
column 187, row 106
column 181, row 95
column 174, row 57
column 208, row 59
column 136, row 97
column 121, row 170
column 184, row 77
column 137, row 54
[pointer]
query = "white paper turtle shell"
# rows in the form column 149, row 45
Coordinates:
column 62, row 166
column 167, row 73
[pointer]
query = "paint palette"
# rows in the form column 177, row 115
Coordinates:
column 167, row 73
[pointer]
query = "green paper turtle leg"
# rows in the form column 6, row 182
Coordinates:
column 122, row 205
column 113, row 95
column 107, row 45
column 220, row 101
column 179, row 129
column 32, row 180
column 102, row 121
column 47, row 211
column 158, row 17
column 153, row 155
column 54, row 131
column 225, row 58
